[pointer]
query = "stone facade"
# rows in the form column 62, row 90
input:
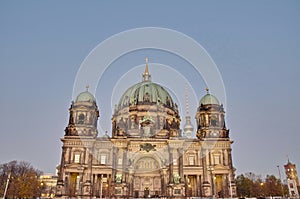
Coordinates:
column 147, row 154
column 292, row 179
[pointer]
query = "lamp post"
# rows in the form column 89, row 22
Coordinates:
column 6, row 186
column 41, row 189
column 280, row 181
column 262, row 189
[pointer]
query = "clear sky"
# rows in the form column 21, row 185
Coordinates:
column 255, row 44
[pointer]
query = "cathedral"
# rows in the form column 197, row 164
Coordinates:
column 147, row 154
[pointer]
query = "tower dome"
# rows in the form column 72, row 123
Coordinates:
column 84, row 115
column 209, row 99
column 85, row 96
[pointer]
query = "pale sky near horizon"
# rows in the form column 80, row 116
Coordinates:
column 255, row 44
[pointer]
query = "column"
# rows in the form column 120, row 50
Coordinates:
column 186, row 179
column 124, row 165
column 62, row 164
column 205, row 185
column 90, row 158
column 114, row 163
column 163, row 182
column 180, row 162
column 224, row 159
column 131, row 185
column 96, row 185
column 109, row 180
column 67, row 184
column 79, row 184
column 171, row 180
column 197, row 158
column 69, row 155
column 198, row 185
column 130, row 182
column 204, row 164
column 229, row 158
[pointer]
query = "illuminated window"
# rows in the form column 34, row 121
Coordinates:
column 120, row 161
column 175, row 161
column 119, row 178
column 103, row 159
column 191, row 160
column 77, row 158
column 217, row 159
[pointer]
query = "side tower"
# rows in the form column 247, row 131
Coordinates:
column 74, row 177
column 218, row 170
column 292, row 179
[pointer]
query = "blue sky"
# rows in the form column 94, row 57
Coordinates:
column 255, row 44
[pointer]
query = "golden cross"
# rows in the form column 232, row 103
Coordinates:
column 207, row 89
column 147, row 60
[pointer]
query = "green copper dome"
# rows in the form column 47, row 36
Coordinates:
column 85, row 97
column 146, row 92
column 209, row 99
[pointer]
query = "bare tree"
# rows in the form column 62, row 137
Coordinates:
column 24, row 182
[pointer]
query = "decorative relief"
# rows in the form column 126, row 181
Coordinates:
column 147, row 164
column 147, row 147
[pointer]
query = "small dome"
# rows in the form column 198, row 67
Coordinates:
column 85, row 97
column 209, row 99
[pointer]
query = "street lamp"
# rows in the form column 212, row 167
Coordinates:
column 41, row 189
column 6, row 186
column 280, row 181
column 262, row 188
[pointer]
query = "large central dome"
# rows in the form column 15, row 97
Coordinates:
column 146, row 92
column 146, row 109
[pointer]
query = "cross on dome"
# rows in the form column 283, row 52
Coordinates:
column 146, row 75
column 207, row 90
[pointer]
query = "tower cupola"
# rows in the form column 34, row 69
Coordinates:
column 210, row 118
column 84, row 115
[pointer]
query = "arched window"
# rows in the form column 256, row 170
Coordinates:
column 77, row 157
column 146, row 97
column 81, row 119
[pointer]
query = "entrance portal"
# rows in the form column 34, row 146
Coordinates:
column 147, row 192
column 147, row 177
